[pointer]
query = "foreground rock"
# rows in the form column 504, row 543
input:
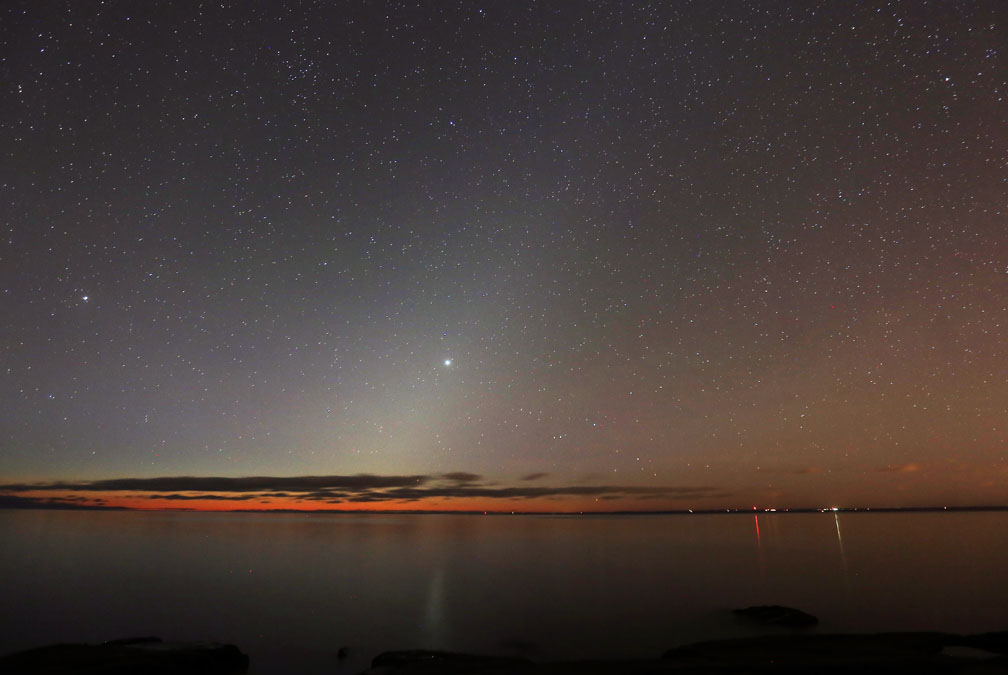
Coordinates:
column 125, row 657
column 776, row 615
column 919, row 653
column 882, row 652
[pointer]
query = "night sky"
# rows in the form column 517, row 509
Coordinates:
column 508, row 255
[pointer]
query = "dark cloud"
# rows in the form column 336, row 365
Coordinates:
column 176, row 496
column 18, row 502
column 220, row 484
column 535, row 476
column 326, row 495
column 413, row 494
column 360, row 489
column 540, row 492
column 462, row 477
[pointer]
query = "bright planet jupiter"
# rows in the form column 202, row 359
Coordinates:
column 537, row 256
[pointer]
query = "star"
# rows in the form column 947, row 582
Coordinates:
column 642, row 269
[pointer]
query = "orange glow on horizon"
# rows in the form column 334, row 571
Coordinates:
column 210, row 503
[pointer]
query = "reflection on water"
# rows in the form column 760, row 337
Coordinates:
column 760, row 557
column 293, row 589
column 843, row 556
column 434, row 617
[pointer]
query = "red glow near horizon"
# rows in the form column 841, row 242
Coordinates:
column 293, row 503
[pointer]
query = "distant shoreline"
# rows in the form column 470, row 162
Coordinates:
column 9, row 504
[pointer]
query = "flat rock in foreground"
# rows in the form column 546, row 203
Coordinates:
column 918, row 653
column 147, row 656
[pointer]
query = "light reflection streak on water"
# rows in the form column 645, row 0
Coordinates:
column 760, row 560
column 434, row 610
column 843, row 555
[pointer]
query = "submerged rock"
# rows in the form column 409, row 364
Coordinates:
column 147, row 655
column 776, row 615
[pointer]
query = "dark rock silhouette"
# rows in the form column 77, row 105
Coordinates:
column 921, row 652
column 847, row 654
column 776, row 615
column 145, row 655
column 996, row 642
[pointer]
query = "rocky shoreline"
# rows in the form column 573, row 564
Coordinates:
column 838, row 654
column 147, row 655
column 863, row 654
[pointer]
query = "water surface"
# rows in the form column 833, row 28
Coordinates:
column 291, row 589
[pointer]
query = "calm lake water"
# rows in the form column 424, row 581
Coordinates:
column 292, row 589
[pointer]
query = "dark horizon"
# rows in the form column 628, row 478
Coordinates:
column 13, row 502
column 451, row 491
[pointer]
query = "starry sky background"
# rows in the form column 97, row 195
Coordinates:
column 525, row 254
